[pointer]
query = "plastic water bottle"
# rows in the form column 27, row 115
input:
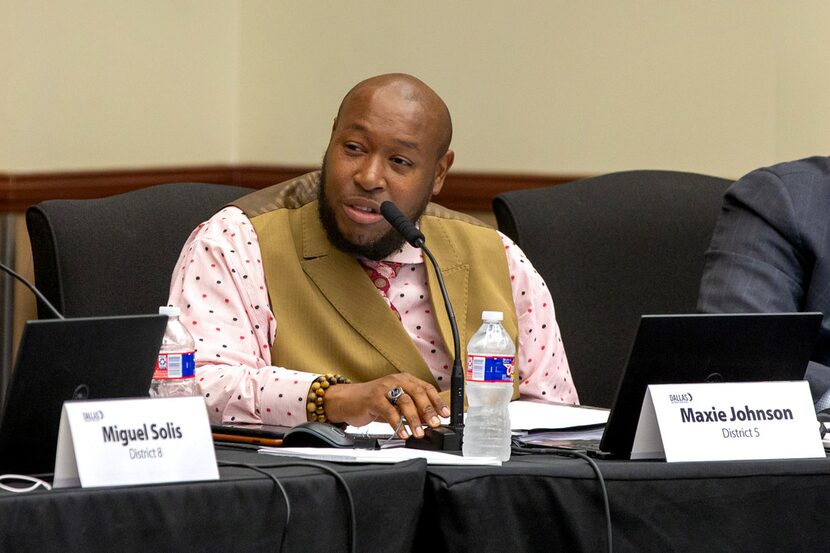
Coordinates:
column 489, row 387
column 174, row 373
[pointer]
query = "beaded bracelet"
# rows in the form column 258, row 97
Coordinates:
column 316, row 405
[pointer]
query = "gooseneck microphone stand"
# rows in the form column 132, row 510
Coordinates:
column 445, row 437
column 34, row 290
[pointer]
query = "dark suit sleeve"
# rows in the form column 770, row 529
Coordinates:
column 758, row 260
column 755, row 261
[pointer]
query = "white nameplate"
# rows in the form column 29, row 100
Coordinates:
column 134, row 441
column 728, row 421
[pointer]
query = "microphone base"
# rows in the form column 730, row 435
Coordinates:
column 442, row 438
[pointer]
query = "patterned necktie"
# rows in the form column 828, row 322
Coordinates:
column 382, row 273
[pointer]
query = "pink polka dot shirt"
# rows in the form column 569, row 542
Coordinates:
column 219, row 284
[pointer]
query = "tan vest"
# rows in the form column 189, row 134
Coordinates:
column 330, row 317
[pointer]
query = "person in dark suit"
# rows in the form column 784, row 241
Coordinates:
column 770, row 252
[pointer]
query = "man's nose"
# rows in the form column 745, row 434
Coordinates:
column 370, row 175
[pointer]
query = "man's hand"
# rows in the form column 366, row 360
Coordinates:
column 360, row 404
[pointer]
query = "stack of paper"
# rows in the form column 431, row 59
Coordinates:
column 524, row 416
column 394, row 455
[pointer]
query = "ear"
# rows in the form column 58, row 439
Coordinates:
column 441, row 170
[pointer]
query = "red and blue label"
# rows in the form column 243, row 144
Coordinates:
column 490, row 368
column 174, row 365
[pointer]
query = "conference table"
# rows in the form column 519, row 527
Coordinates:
column 549, row 503
column 539, row 502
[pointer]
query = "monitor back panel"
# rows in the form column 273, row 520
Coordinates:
column 59, row 360
column 697, row 348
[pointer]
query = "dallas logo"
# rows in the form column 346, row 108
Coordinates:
column 93, row 416
column 680, row 398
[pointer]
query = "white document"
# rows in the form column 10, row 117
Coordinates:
column 728, row 421
column 559, row 438
column 134, row 441
column 385, row 456
column 530, row 415
column 524, row 415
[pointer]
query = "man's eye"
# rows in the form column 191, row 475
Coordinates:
column 401, row 161
column 353, row 148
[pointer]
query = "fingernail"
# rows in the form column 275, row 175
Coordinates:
column 419, row 432
column 435, row 421
column 445, row 411
column 403, row 434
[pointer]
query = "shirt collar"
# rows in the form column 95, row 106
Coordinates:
column 406, row 254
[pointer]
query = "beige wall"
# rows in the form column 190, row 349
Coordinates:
column 803, row 79
column 6, row 55
column 102, row 84
column 544, row 86
column 550, row 86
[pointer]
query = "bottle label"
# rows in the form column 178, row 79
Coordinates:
column 171, row 366
column 490, row 368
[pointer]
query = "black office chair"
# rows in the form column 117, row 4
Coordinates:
column 612, row 248
column 115, row 255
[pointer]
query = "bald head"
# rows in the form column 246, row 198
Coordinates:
column 408, row 89
column 390, row 142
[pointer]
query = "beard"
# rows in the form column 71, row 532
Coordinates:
column 377, row 250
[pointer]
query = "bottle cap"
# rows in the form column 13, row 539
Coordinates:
column 492, row 316
column 170, row 311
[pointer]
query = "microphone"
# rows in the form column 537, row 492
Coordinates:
column 31, row 287
column 400, row 223
column 445, row 437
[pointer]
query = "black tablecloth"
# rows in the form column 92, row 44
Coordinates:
column 244, row 511
column 539, row 503
column 548, row 503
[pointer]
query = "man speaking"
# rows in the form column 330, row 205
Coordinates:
column 306, row 305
